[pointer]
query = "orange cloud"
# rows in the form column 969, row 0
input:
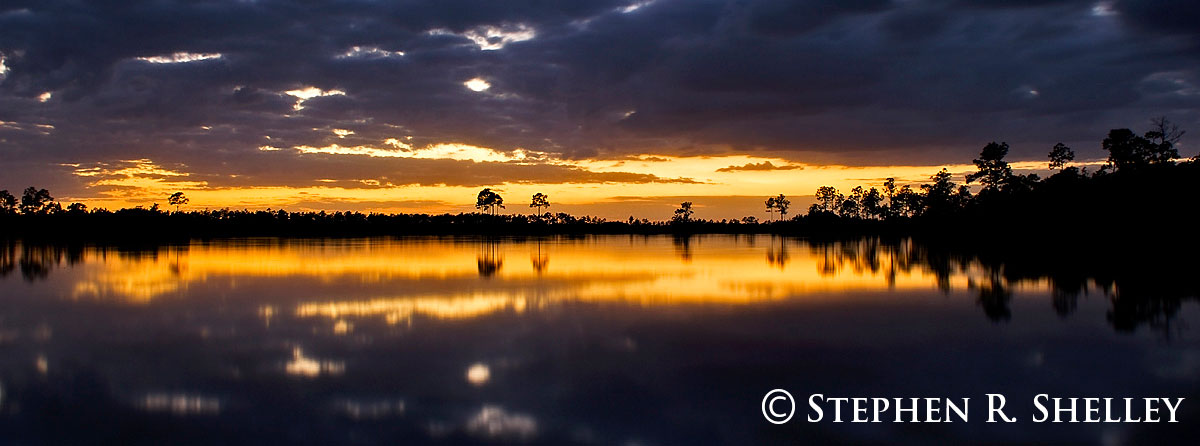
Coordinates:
column 765, row 165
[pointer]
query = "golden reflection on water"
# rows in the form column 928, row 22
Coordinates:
column 400, row 309
column 306, row 367
column 397, row 279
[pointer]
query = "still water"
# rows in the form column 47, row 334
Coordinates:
column 646, row 340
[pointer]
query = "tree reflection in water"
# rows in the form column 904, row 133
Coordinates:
column 489, row 259
column 777, row 254
column 683, row 247
column 1142, row 288
column 539, row 259
column 230, row 341
column 36, row 260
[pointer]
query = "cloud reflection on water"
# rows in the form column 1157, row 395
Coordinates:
column 494, row 422
column 454, row 278
column 449, row 278
column 306, row 367
column 181, row 404
column 596, row 339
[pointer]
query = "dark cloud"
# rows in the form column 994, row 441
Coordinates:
column 857, row 82
column 765, row 165
column 915, row 24
column 1163, row 16
column 787, row 17
column 1000, row 4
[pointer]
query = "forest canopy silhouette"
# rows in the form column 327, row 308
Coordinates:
column 1139, row 192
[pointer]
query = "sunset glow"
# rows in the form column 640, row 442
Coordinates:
column 143, row 182
column 598, row 222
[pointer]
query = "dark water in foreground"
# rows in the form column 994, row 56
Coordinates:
column 601, row 340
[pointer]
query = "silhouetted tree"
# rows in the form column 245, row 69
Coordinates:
column 1018, row 184
column 828, row 199
column 77, row 208
column 963, row 197
column 1128, row 151
column 177, row 199
column 540, row 201
column 770, row 203
column 489, row 201
column 1164, row 134
column 848, row 207
column 852, row 206
column 36, row 201
column 1124, row 149
column 993, row 172
column 942, row 184
column 1060, row 155
column 942, row 196
column 782, row 204
column 872, row 204
column 889, row 190
column 684, row 213
column 907, row 202
column 8, row 203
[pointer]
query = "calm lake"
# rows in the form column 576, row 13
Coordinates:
column 625, row 340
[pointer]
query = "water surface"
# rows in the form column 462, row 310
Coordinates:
column 593, row 340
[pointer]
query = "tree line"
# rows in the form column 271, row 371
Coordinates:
column 1133, row 163
column 1141, row 177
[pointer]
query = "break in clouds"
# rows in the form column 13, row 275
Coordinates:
column 283, row 93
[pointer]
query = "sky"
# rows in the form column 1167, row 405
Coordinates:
column 612, row 108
